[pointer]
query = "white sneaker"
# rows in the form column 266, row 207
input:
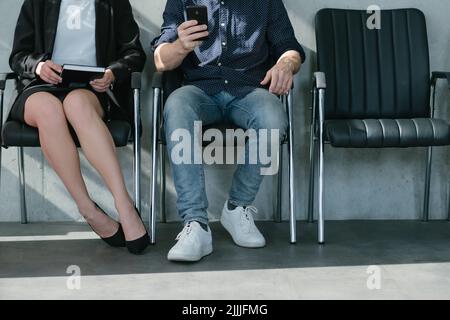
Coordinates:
column 193, row 244
column 241, row 226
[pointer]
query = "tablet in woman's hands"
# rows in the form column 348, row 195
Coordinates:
column 80, row 75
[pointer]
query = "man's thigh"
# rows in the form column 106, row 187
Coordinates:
column 188, row 104
column 260, row 109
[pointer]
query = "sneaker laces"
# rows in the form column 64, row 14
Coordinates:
column 185, row 232
column 247, row 220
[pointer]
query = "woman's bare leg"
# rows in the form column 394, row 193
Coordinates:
column 85, row 114
column 45, row 112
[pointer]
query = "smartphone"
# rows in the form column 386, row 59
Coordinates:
column 199, row 13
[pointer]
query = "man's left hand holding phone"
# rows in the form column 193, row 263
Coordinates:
column 50, row 72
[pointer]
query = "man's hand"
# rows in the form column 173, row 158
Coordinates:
column 103, row 84
column 188, row 34
column 49, row 72
column 280, row 77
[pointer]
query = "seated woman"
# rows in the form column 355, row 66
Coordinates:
column 99, row 33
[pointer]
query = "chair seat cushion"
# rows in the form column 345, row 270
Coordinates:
column 17, row 134
column 385, row 133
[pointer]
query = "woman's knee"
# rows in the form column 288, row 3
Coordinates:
column 81, row 107
column 43, row 110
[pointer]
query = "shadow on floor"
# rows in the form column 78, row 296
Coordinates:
column 350, row 243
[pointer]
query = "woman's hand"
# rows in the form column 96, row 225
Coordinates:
column 103, row 84
column 49, row 72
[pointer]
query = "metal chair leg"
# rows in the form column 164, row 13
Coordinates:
column 312, row 179
column 1, row 168
column 162, row 194
column 2, row 95
column 292, row 216
column 137, row 150
column 321, row 223
column 448, row 202
column 154, row 182
column 278, row 213
column 1, row 128
column 312, row 160
column 426, row 200
column 23, row 204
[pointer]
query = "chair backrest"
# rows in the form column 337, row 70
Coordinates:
column 374, row 73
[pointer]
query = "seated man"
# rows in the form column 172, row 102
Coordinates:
column 250, row 57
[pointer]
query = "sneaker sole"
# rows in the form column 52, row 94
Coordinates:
column 238, row 243
column 188, row 258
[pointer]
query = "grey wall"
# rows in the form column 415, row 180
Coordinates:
column 360, row 184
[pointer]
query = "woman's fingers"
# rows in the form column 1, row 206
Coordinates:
column 96, row 87
column 49, row 72
column 50, row 77
column 55, row 67
column 101, row 85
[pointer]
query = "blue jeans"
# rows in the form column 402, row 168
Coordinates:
column 258, row 110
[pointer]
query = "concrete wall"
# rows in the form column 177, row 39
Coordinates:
column 360, row 184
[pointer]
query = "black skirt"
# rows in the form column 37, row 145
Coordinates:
column 17, row 112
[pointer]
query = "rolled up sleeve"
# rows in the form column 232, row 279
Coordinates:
column 173, row 17
column 281, row 35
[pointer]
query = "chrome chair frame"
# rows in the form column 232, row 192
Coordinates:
column 317, row 152
column 159, row 162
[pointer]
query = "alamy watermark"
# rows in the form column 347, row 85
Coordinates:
column 374, row 20
column 374, row 278
column 73, row 281
column 188, row 149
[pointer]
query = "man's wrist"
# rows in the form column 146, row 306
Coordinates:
column 181, row 49
column 289, row 63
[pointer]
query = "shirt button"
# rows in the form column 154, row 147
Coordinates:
column 219, row 64
column 224, row 44
column 222, row 24
column 226, row 81
column 222, row 3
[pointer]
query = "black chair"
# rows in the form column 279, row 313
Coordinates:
column 373, row 90
column 16, row 134
column 163, row 85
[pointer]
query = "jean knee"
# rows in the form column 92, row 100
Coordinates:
column 273, row 118
column 179, row 111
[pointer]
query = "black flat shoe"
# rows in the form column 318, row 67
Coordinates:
column 138, row 246
column 118, row 239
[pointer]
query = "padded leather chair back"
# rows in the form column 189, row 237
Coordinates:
column 374, row 74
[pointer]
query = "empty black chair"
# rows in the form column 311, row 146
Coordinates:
column 373, row 89
column 124, row 131
column 163, row 85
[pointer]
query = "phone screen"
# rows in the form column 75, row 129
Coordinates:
column 199, row 13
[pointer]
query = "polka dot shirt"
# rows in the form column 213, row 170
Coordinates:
column 246, row 38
